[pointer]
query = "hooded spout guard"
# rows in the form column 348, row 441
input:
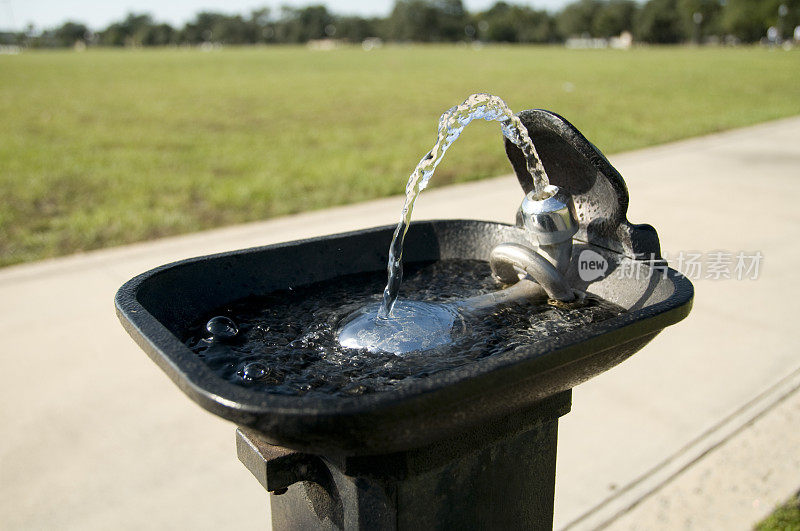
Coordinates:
column 598, row 191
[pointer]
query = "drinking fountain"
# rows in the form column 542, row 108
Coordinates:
column 469, row 446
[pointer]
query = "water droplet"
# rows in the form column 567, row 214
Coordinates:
column 222, row 327
column 254, row 371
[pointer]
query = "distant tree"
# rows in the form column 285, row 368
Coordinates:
column 261, row 17
column 745, row 19
column 659, row 22
column 790, row 21
column 70, row 33
column 536, row 26
column 700, row 18
column 749, row 19
column 356, row 29
column 413, row 20
column 129, row 32
column 304, row 24
column 219, row 28
column 201, row 29
column 315, row 23
column 112, row 36
column 504, row 22
column 263, row 27
column 452, row 19
column 498, row 23
column 614, row 17
column 9, row 38
column 136, row 28
column 577, row 18
column 427, row 20
column 159, row 35
column 29, row 37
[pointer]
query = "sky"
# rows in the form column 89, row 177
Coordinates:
column 16, row 14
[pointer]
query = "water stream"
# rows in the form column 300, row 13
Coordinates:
column 451, row 124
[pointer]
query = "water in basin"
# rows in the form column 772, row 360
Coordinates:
column 286, row 342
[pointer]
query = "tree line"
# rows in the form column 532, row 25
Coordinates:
column 653, row 21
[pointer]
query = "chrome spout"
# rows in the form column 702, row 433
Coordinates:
column 510, row 261
column 549, row 220
column 551, row 223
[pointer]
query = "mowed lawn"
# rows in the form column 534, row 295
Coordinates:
column 113, row 146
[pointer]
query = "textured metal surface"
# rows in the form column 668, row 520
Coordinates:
column 598, row 190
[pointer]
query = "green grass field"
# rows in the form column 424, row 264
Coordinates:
column 113, row 146
column 784, row 518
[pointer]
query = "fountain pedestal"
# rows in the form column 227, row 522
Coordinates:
column 498, row 475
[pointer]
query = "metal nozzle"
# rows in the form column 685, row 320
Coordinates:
column 509, row 258
column 551, row 221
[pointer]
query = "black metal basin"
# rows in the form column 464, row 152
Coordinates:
column 158, row 306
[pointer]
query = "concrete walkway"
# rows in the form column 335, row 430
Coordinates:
column 699, row 430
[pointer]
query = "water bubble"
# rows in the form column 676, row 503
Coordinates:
column 254, row 371
column 221, row 327
column 413, row 326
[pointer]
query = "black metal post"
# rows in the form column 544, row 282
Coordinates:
column 500, row 475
